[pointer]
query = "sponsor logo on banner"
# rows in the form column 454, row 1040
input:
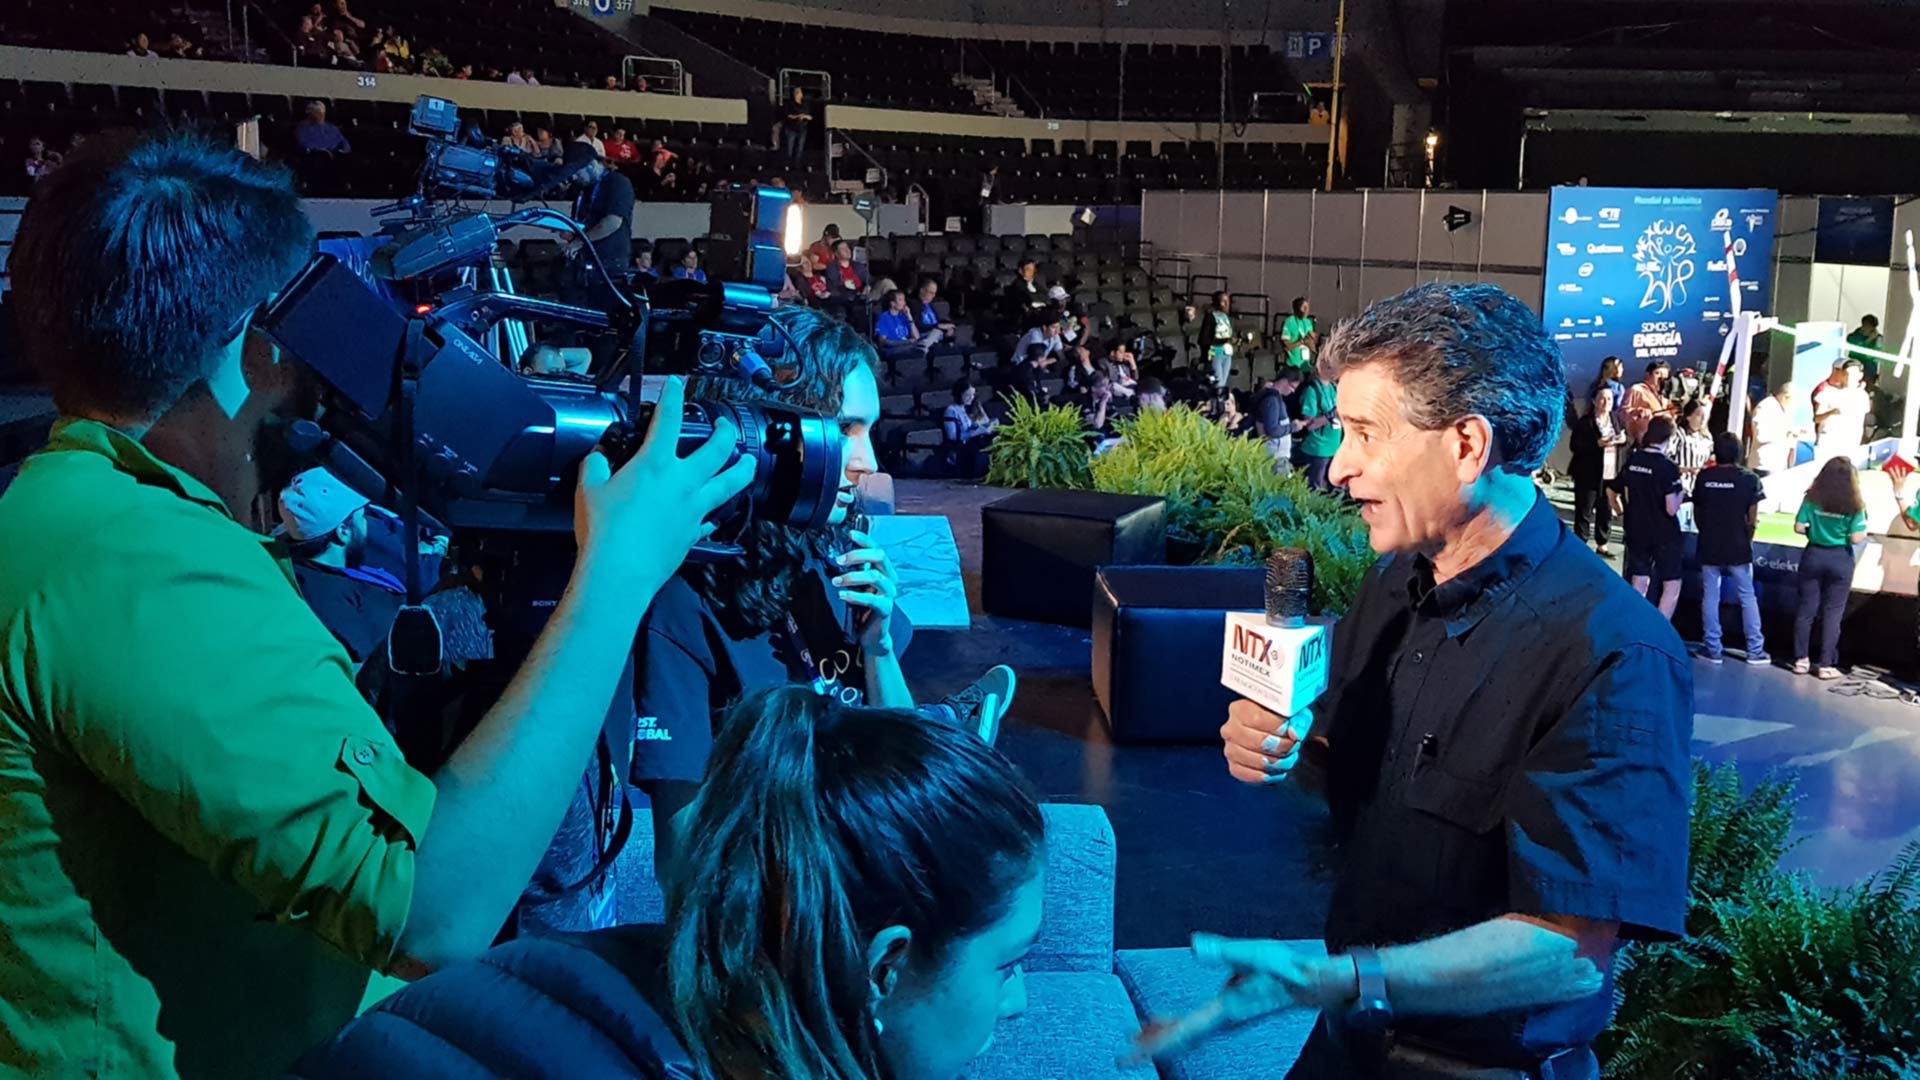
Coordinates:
column 1610, row 213
column 1722, row 220
column 1605, row 249
column 1664, row 256
column 1570, row 287
column 1586, row 269
column 1606, row 301
column 1567, row 249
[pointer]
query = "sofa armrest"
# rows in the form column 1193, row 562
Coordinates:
column 1076, row 930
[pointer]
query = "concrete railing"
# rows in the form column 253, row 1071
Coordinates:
column 861, row 118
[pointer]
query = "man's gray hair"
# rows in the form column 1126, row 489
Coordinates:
column 1460, row 350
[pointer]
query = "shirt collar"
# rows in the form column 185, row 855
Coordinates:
column 1463, row 600
column 128, row 456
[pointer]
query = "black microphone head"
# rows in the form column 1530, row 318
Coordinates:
column 1289, row 586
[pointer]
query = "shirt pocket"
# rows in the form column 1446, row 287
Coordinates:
column 400, row 795
column 1455, row 847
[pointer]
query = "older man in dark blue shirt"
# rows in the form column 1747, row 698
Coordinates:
column 1505, row 732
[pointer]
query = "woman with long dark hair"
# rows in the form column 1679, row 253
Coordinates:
column 861, row 889
column 801, row 605
column 1596, row 441
column 1833, row 518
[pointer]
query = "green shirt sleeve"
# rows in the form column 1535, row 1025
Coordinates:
column 1857, row 524
column 1805, row 516
column 181, row 668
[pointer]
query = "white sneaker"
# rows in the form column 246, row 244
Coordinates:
column 983, row 704
column 1801, row 667
column 1829, row 674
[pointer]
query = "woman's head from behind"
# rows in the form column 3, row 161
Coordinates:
column 858, row 889
column 1836, row 488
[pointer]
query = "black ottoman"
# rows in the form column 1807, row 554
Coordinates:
column 1039, row 549
column 1156, row 648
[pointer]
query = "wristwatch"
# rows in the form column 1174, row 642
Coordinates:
column 1370, row 1011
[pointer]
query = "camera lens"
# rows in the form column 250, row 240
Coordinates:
column 797, row 458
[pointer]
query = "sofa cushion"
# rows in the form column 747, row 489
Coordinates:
column 1165, row 983
column 1076, row 1027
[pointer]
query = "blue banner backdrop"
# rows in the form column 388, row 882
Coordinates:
column 1642, row 274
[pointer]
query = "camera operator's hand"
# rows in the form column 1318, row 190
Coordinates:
column 1261, row 746
column 873, row 585
column 640, row 521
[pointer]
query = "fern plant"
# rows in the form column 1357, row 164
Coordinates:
column 1776, row 979
column 1224, row 498
column 1039, row 446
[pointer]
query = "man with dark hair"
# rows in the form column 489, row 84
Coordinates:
column 1299, row 335
column 1504, row 734
column 1270, row 415
column 208, row 841
column 603, row 203
column 1022, row 297
column 1726, row 509
column 1650, row 488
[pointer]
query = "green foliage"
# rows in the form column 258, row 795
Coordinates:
column 1039, row 447
column 1777, row 980
column 1225, row 500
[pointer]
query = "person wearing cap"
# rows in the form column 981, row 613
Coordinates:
column 326, row 525
column 212, row 851
column 603, row 205
column 1840, row 408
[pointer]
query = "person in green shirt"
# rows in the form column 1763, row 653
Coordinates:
column 1833, row 518
column 1297, row 333
column 209, row 843
column 1866, row 335
column 1320, row 428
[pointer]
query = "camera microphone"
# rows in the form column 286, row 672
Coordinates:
column 1274, row 658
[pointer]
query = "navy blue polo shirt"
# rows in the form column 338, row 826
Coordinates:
column 1513, row 740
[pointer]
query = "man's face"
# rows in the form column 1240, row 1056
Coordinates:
column 1410, row 483
column 898, row 303
column 620, row 134
column 35, row 147
column 1657, row 376
column 317, row 111
column 1850, row 375
column 691, row 260
column 516, row 130
column 1226, row 302
column 859, row 410
column 1306, row 309
column 593, row 130
column 1026, row 271
column 928, row 292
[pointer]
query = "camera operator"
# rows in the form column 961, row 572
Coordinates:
column 603, row 204
column 1505, row 728
column 806, row 606
column 186, row 760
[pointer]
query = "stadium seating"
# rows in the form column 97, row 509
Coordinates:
column 1051, row 78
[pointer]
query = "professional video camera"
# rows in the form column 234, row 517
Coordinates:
column 416, row 410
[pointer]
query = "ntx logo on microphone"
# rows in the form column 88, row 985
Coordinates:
column 1257, row 647
column 1281, row 667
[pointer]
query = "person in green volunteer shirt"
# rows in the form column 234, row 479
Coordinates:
column 1319, row 427
column 1833, row 518
column 1297, row 333
column 1866, row 335
column 1216, row 340
column 209, row 843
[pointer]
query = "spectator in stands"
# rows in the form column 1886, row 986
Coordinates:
column 1272, row 422
column 1024, row 379
column 659, row 149
column 464, row 73
column 40, row 160
column 894, row 331
column 809, row 282
column 1046, row 335
column 179, row 48
column 1082, row 369
column 1124, row 369
column 794, row 125
column 517, row 138
column 309, row 43
column 689, row 268
column 342, row 51
column 590, row 135
column 823, row 247
column 435, row 63
column 927, row 317
column 396, row 47
column 1096, row 412
column 843, row 277
column 1216, row 339
column 638, row 85
column 141, row 47
column 643, row 270
column 546, row 147
column 315, row 135
column 967, row 430
column 1298, row 335
column 522, row 77
column 1320, row 114
column 989, row 186
column 1022, row 296
column 620, row 151
column 1153, row 396
column 344, row 19
column 656, row 180
column 318, row 14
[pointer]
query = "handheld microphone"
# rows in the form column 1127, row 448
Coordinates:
column 1274, row 658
